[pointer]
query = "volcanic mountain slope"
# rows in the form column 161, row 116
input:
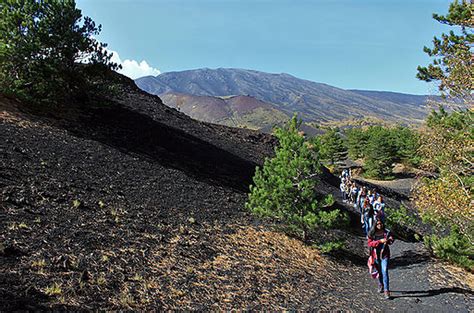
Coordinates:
column 132, row 205
column 314, row 101
column 234, row 111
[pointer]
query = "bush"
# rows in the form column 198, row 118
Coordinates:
column 399, row 217
column 356, row 141
column 380, row 153
column 333, row 147
column 454, row 247
column 285, row 187
column 331, row 246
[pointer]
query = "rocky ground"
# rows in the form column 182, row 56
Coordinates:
column 132, row 205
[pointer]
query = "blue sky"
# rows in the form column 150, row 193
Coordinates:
column 352, row 44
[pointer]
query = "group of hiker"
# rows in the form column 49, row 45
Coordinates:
column 371, row 207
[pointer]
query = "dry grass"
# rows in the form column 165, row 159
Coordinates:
column 442, row 273
column 249, row 268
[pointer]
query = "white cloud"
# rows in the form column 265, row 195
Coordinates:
column 132, row 68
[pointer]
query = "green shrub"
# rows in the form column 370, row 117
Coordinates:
column 399, row 216
column 455, row 248
column 381, row 146
column 331, row 246
column 333, row 147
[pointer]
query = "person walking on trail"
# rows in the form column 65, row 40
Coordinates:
column 342, row 187
column 372, row 196
column 379, row 240
column 368, row 214
column 379, row 209
column 361, row 200
column 354, row 193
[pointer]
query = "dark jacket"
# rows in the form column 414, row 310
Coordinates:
column 374, row 244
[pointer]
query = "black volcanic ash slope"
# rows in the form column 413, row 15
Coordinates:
column 135, row 205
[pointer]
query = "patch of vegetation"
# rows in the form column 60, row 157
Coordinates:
column 331, row 246
column 447, row 145
column 333, row 147
column 400, row 216
column 455, row 248
column 54, row 290
column 38, row 263
column 126, row 299
column 76, row 204
column 18, row 226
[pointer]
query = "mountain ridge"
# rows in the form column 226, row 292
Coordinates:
column 314, row 101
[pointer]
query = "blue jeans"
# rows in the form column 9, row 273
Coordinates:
column 367, row 224
column 382, row 267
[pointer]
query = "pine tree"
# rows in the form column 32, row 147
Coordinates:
column 356, row 141
column 285, row 187
column 447, row 143
column 41, row 40
column 333, row 148
column 452, row 66
column 380, row 153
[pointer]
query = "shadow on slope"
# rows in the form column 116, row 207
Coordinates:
column 136, row 133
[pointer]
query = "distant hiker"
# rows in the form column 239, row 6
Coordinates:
column 368, row 213
column 379, row 209
column 345, row 173
column 354, row 193
column 379, row 239
column 342, row 187
column 347, row 191
column 361, row 199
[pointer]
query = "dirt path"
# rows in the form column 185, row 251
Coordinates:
column 418, row 282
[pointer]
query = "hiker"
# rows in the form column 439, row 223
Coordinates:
column 342, row 187
column 379, row 209
column 345, row 173
column 368, row 213
column 379, row 239
column 361, row 199
column 354, row 193
column 371, row 196
column 347, row 191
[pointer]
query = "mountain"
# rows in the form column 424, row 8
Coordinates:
column 315, row 102
column 234, row 111
column 417, row 100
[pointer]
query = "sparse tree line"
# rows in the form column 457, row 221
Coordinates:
column 286, row 187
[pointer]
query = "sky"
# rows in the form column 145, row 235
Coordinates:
column 351, row 44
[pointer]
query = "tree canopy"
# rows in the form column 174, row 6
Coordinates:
column 447, row 144
column 333, row 147
column 452, row 66
column 43, row 48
